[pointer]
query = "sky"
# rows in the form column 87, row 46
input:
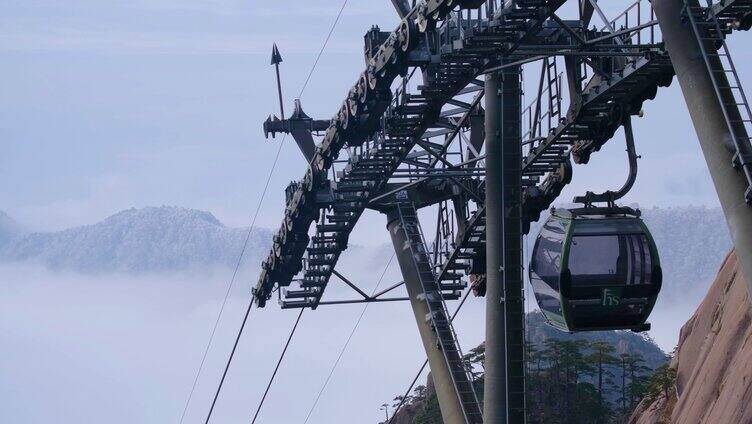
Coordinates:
column 110, row 105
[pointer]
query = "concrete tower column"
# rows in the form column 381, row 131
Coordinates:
column 504, row 385
column 710, row 125
column 449, row 402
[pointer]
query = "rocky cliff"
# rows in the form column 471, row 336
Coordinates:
column 713, row 360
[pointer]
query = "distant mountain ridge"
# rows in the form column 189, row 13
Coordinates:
column 622, row 340
column 10, row 230
column 138, row 240
column 173, row 238
column 692, row 243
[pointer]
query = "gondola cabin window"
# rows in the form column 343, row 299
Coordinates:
column 604, row 253
column 546, row 268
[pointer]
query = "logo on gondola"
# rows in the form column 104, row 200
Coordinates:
column 611, row 297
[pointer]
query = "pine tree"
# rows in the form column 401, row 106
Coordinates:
column 633, row 380
column 660, row 383
column 569, row 381
column 601, row 356
column 474, row 360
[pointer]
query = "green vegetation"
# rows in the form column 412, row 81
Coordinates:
column 581, row 382
column 592, row 378
column 660, row 383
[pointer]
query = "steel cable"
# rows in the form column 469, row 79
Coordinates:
column 229, row 361
column 321, row 51
column 266, row 186
column 232, row 281
column 347, row 342
column 276, row 368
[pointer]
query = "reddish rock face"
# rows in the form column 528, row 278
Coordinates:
column 713, row 360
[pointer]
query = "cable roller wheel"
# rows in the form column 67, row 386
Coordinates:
column 407, row 35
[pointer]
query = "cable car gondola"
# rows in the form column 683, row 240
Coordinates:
column 597, row 268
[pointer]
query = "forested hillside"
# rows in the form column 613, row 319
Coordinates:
column 595, row 377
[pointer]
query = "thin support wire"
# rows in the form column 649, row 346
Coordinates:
column 232, row 281
column 229, row 361
column 347, row 342
column 276, row 368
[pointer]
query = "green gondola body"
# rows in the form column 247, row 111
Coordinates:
column 595, row 271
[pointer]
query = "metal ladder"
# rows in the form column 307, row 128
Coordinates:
column 446, row 338
column 730, row 95
column 444, row 233
column 554, row 95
